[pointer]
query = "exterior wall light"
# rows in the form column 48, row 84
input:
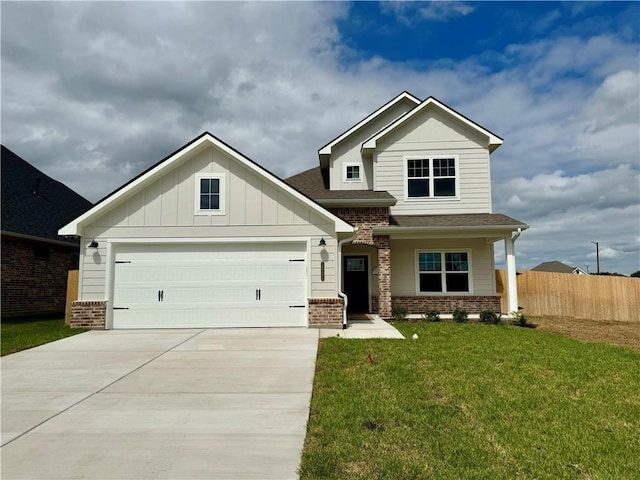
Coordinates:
column 93, row 244
column 322, row 243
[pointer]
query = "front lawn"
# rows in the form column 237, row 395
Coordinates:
column 20, row 334
column 473, row 401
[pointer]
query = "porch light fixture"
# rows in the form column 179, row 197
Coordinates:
column 93, row 244
column 322, row 243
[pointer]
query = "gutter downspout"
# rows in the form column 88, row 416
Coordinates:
column 341, row 294
column 516, row 235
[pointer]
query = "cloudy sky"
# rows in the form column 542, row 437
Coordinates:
column 93, row 93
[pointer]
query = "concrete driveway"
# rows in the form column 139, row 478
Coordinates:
column 175, row 404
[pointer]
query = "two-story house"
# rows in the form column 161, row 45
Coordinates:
column 398, row 212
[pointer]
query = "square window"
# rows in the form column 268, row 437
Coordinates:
column 210, row 195
column 443, row 272
column 431, row 177
column 352, row 173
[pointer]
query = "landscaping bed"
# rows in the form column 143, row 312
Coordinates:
column 473, row 401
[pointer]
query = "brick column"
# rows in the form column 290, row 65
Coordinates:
column 384, row 275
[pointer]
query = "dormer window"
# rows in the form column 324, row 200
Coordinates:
column 210, row 194
column 352, row 172
column 431, row 177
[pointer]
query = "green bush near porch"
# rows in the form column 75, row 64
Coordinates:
column 473, row 401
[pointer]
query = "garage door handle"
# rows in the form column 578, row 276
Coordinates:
column 161, row 295
column 258, row 293
column 296, row 306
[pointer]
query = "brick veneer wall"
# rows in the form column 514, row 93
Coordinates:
column 325, row 311
column 446, row 304
column 30, row 285
column 88, row 314
column 364, row 218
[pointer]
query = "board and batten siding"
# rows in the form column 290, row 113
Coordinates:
column 434, row 133
column 348, row 150
column 404, row 263
column 255, row 209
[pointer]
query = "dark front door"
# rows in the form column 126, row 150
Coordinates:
column 356, row 283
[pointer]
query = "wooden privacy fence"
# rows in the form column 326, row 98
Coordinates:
column 580, row 296
column 72, row 293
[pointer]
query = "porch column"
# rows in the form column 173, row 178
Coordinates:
column 384, row 275
column 512, row 285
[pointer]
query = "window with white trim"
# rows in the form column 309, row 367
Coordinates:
column 210, row 194
column 352, row 172
column 443, row 272
column 431, row 177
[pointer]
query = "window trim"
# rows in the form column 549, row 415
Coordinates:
column 352, row 180
column 221, row 177
column 432, row 197
column 443, row 272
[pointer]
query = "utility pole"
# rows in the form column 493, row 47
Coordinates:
column 597, row 256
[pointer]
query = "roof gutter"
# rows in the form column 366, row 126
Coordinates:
column 341, row 294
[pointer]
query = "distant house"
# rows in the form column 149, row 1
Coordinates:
column 35, row 259
column 558, row 267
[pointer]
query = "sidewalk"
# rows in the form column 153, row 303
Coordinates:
column 368, row 326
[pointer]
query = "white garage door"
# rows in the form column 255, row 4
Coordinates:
column 213, row 285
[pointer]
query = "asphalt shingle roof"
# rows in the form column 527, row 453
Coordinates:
column 41, row 213
column 554, row 266
column 457, row 220
column 314, row 184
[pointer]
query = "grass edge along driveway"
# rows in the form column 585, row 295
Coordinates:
column 473, row 401
column 22, row 333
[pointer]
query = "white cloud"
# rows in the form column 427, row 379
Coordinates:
column 411, row 13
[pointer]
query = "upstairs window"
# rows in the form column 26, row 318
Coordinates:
column 210, row 194
column 431, row 177
column 443, row 272
column 352, row 172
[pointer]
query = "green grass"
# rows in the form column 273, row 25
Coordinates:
column 20, row 334
column 473, row 401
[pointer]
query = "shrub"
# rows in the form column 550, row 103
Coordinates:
column 399, row 313
column 519, row 319
column 490, row 317
column 460, row 315
column 431, row 316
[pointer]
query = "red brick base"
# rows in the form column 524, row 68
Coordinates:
column 325, row 311
column 88, row 314
column 445, row 304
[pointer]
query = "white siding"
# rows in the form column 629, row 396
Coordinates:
column 403, row 263
column 348, row 151
column 434, row 133
column 255, row 208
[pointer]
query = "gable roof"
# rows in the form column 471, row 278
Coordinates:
column 494, row 140
column 155, row 171
column 314, row 183
column 556, row 267
column 326, row 150
column 33, row 204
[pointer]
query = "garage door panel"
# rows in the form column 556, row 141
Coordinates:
column 210, row 286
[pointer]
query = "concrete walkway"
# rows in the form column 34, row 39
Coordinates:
column 366, row 326
column 162, row 404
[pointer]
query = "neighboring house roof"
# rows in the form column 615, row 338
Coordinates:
column 470, row 221
column 314, row 184
column 326, row 150
column 36, row 208
column 494, row 140
column 556, row 267
column 155, row 171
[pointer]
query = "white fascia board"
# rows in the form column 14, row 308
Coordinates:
column 326, row 150
column 75, row 227
column 494, row 140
